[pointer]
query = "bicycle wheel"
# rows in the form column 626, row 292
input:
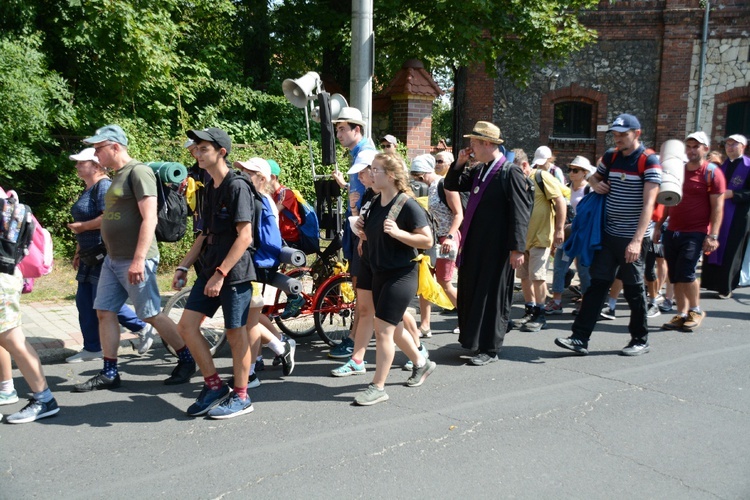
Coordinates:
column 303, row 324
column 211, row 328
column 334, row 310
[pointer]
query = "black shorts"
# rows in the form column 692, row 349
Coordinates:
column 682, row 251
column 392, row 291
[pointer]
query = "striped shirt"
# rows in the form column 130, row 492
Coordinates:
column 625, row 199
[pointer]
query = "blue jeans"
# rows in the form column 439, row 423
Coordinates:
column 561, row 267
column 89, row 322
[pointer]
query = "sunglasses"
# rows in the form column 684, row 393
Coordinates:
column 439, row 161
column 574, row 170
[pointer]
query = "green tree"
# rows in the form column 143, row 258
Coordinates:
column 33, row 102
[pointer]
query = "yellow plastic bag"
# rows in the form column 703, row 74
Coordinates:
column 429, row 287
column 347, row 290
column 191, row 192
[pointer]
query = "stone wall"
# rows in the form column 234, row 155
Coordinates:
column 727, row 68
column 624, row 70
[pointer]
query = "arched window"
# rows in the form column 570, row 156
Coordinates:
column 738, row 118
column 572, row 119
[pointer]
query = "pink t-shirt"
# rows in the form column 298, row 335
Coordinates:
column 693, row 213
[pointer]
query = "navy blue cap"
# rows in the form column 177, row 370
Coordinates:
column 625, row 122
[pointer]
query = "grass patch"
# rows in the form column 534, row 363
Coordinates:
column 61, row 283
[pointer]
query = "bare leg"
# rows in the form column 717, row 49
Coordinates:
column 425, row 310
column 410, row 325
column 366, row 313
column 385, row 351
column 14, row 342
column 189, row 329
column 241, row 357
column 109, row 333
column 255, row 330
column 450, row 291
column 167, row 330
column 6, row 371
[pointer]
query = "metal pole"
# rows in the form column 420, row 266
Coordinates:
column 363, row 53
column 702, row 68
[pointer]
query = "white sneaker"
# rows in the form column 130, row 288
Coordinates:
column 147, row 335
column 457, row 330
column 84, row 355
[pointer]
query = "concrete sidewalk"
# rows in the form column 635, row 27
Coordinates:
column 52, row 328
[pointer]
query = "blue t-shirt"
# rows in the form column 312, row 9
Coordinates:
column 89, row 206
column 355, row 185
column 625, row 199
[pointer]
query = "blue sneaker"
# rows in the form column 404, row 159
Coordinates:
column 232, row 406
column 349, row 368
column 8, row 398
column 207, row 399
column 34, row 411
column 293, row 307
column 343, row 350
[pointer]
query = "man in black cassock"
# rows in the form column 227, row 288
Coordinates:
column 721, row 270
column 493, row 240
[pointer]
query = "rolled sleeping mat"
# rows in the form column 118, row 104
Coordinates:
column 289, row 286
column 292, row 256
column 672, row 158
column 169, row 171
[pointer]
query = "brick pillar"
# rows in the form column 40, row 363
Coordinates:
column 478, row 100
column 682, row 26
column 412, row 122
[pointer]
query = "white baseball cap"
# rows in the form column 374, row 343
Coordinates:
column 363, row 160
column 255, row 165
column 701, row 137
column 541, row 155
column 739, row 138
column 88, row 154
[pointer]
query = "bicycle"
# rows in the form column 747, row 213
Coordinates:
column 329, row 299
column 212, row 329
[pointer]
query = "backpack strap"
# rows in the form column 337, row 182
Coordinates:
column 397, row 206
column 540, row 182
column 441, row 192
column 710, row 172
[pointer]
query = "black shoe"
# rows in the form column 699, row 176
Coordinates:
column 572, row 344
column 607, row 313
column 181, row 373
column 537, row 321
column 528, row 314
column 259, row 366
column 98, row 382
column 287, row 359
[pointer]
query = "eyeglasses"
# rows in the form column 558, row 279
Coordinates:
column 575, row 170
column 440, row 161
column 96, row 150
column 377, row 170
column 387, row 145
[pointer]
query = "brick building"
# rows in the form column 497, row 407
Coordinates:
column 647, row 62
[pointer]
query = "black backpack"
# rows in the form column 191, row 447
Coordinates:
column 171, row 211
column 16, row 233
column 441, row 194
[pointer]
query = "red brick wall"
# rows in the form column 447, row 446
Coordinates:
column 479, row 99
column 412, row 120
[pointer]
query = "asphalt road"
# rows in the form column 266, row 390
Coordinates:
column 674, row 423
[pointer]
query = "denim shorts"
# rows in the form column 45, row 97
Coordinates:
column 682, row 251
column 234, row 301
column 114, row 289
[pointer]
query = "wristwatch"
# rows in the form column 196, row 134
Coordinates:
column 449, row 236
column 713, row 236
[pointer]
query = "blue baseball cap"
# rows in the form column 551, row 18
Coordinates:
column 112, row 133
column 625, row 122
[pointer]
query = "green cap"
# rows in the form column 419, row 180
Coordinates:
column 275, row 168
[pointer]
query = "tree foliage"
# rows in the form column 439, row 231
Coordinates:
column 161, row 67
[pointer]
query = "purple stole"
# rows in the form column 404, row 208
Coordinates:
column 477, row 191
column 739, row 176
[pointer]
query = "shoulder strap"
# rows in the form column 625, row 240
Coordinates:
column 540, row 182
column 397, row 206
column 441, row 191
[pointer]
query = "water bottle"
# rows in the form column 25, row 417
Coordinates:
column 450, row 255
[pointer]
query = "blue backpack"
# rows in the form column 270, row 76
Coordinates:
column 267, row 242
column 308, row 227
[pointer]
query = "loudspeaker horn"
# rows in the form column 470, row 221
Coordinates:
column 338, row 102
column 299, row 91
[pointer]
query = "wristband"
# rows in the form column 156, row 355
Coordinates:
column 220, row 271
column 182, row 268
column 713, row 236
